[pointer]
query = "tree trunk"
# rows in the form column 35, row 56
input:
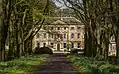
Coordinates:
column 117, row 46
column 17, row 36
column 17, row 42
column 1, row 29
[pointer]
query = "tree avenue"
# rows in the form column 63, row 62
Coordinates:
column 101, row 19
column 20, row 20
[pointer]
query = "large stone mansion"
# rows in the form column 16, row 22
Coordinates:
column 60, row 33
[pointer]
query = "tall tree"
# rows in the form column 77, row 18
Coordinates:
column 20, row 20
column 94, row 15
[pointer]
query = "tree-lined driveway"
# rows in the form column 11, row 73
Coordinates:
column 57, row 64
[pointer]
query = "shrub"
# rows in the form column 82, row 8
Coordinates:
column 43, row 50
column 74, row 51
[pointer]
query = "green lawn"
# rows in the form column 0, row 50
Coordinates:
column 22, row 65
column 92, row 66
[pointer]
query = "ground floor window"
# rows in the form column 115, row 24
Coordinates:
column 38, row 44
column 44, row 44
column 72, row 45
column 78, row 45
column 52, row 45
column 65, row 45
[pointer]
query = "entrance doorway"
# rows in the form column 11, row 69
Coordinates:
column 58, row 47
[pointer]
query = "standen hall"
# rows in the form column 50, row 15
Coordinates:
column 60, row 33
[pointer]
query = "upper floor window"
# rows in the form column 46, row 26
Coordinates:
column 44, row 28
column 64, row 28
column 58, row 35
column 78, row 28
column 72, row 35
column 78, row 35
column 58, row 28
column 64, row 36
column 72, row 28
column 37, row 36
column 52, row 28
column 44, row 35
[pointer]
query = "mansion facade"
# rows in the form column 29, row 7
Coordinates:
column 112, row 47
column 60, row 33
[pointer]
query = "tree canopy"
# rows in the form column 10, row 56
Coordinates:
column 20, row 20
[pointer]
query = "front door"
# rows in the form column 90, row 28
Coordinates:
column 58, row 47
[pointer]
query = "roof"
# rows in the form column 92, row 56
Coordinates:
column 62, row 20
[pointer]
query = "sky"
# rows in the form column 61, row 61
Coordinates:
column 61, row 3
column 58, row 4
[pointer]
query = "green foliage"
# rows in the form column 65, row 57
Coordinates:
column 43, row 50
column 21, row 65
column 66, row 50
column 89, row 65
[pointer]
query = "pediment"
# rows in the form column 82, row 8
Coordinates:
column 58, row 22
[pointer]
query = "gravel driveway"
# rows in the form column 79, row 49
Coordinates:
column 57, row 64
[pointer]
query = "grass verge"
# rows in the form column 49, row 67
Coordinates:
column 88, row 65
column 22, row 65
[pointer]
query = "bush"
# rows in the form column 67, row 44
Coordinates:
column 74, row 51
column 43, row 50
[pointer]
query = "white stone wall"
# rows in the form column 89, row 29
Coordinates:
column 112, row 47
column 48, row 40
column 112, row 50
